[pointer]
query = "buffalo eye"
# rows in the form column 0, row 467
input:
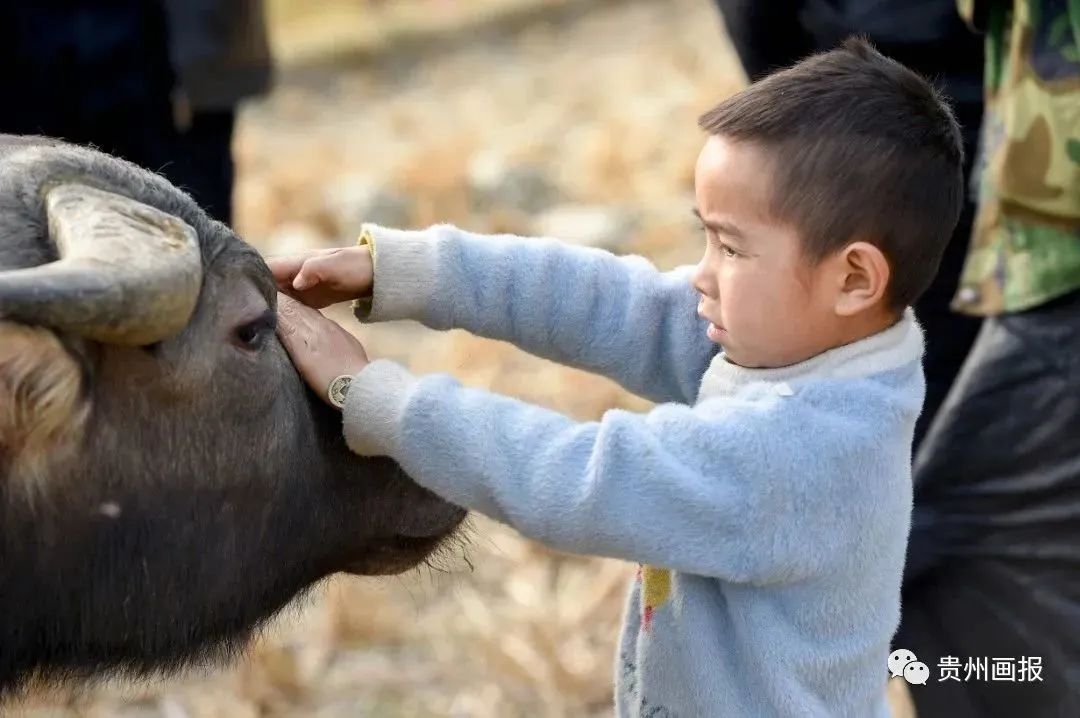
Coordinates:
column 252, row 335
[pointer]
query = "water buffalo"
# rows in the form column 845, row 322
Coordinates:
column 167, row 482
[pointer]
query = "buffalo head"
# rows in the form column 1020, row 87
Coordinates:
column 167, row 483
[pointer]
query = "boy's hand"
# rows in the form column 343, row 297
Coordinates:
column 321, row 277
column 319, row 347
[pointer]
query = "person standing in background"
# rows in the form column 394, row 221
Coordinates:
column 157, row 83
column 929, row 37
column 992, row 578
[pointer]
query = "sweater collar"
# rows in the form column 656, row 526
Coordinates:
column 888, row 349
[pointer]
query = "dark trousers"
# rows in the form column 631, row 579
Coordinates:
column 100, row 74
column 198, row 160
column 993, row 564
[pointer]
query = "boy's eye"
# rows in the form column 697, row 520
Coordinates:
column 726, row 249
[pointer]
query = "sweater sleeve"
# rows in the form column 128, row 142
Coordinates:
column 580, row 306
column 677, row 487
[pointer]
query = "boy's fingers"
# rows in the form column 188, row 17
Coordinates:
column 285, row 264
column 315, row 271
column 288, row 291
column 295, row 324
column 286, row 323
column 303, row 280
column 306, row 278
column 284, row 269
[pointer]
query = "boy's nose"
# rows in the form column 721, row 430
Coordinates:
column 701, row 281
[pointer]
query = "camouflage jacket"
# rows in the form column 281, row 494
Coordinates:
column 1025, row 246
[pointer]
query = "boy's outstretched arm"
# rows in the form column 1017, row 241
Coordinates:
column 580, row 306
column 711, row 490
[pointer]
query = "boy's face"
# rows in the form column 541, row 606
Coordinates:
column 768, row 305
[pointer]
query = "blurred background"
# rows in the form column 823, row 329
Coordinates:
column 574, row 118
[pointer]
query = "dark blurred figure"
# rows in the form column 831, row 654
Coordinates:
column 156, row 82
column 993, row 564
column 930, row 37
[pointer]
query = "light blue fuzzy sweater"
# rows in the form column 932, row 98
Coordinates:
column 770, row 508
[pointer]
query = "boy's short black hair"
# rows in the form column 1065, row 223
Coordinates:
column 862, row 148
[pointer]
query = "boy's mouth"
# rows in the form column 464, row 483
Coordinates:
column 715, row 331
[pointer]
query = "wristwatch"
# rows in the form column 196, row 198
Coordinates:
column 339, row 390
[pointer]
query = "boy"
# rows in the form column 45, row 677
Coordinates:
column 767, row 497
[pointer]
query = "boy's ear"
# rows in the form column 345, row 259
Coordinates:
column 863, row 274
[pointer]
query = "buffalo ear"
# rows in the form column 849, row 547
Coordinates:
column 42, row 405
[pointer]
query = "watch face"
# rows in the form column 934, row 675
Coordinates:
column 339, row 387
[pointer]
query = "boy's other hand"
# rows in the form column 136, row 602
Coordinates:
column 321, row 277
column 320, row 348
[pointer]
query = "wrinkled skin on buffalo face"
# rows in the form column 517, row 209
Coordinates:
column 160, row 501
